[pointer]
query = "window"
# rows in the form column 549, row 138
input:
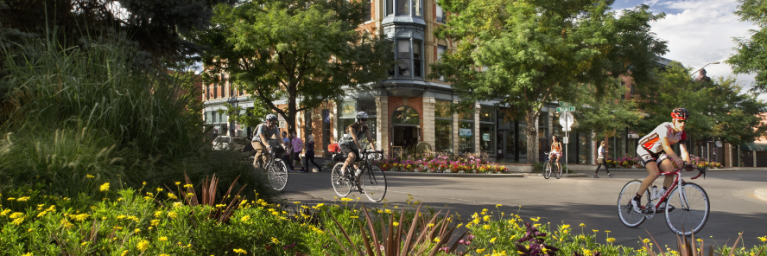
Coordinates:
column 443, row 127
column 417, row 58
column 417, row 8
column 213, row 115
column 207, row 92
column 215, row 91
column 487, row 114
column 405, row 115
column 389, row 7
column 348, row 115
column 441, row 50
column 368, row 15
column 487, row 129
column 440, row 14
column 403, row 7
column 403, row 55
column 466, row 131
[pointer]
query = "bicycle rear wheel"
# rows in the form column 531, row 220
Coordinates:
column 690, row 209
column 278, row 175
column 547, row 170
column 341, row 184
column 628, row 216
column 373, row 182
column 558, row 171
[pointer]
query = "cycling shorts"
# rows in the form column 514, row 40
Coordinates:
column 645, row 156
column 347, row 148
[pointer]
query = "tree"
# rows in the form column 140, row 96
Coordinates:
column 302, row 51
column 607, row 114
column 536, row 51
column 717, row 108
column 752, row 51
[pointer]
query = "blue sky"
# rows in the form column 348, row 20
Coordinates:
column 698, row 32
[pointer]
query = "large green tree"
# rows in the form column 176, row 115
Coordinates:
column 606, row 114
column 718, row 109
column 537, row 51
column 751, row 56
column 300, row 52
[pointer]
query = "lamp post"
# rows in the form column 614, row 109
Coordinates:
column 696, row 71
column 232, row 101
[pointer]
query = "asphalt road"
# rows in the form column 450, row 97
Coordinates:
column 734, row 208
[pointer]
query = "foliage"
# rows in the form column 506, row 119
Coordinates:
column 717, row 109
column 301, row 51
column 604, row 115
column 536, row 51
column 441, row 163
column 750, row 55
column 86, row 113
column 164, row 221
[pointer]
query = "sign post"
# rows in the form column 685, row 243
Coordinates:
column 566, row 120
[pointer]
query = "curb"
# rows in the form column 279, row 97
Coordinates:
column 473, row 175
column 566, row 175
column 761, row 193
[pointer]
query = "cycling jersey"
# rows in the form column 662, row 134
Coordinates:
column 652, row 141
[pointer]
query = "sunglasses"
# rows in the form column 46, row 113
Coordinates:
column 681, row 121
column 364, row 119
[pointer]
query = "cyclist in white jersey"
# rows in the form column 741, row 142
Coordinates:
column 655, row 147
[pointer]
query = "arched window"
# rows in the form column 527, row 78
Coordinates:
column 405, row 115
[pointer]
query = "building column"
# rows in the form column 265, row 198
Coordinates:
column 428, row 121
column 456, row 138
column 476, row 128
column 382, row 118
column 753, row 152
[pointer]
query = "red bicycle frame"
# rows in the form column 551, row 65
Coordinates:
column 678, row 181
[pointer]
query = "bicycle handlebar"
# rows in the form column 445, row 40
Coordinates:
column 701, row 170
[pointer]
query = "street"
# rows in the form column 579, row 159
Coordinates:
column 734, row 208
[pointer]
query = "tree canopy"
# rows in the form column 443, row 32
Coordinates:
column 538, row 51
column 607, row 114
column 298, row 52
column 751, row 55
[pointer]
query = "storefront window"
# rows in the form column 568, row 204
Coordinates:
column 443, row 132
column 442, row 109
column 348, row 115
column 584, row 149
column 487, row 138
column 466, row 134
column 348, row 109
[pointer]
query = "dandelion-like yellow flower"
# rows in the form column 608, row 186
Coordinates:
column 595, row 231
column 582, row 225
column 498, row 205
column 610, row 240
column 240, row 251
column 485, row 227
column 157, row 214
column 142, row 245
column 163, row 239
column 155, row 222
column 5, row 212
column 396, row 223
column 480, row 250
column 535, row 219
column 104, row 187
column 188, row 186
column 18, row 221
column 486, row 218
column 275, row 241
column 28, row 254
column 763, row 238
column 493, row 240
column 565, row 226
column 646, row 240
column 346, row 199
column 16, row 215
column 90, row 176
column 436, row 240
column 23, row 199
column 172, row 214
column 245, row 218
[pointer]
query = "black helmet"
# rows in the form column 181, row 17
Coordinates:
column 680, row 113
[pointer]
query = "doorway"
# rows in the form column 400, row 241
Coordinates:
column 405, row 137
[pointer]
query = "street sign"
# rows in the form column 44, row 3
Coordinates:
column 571, row 109
column 566, row 119
column 559, row 110
column 565, row 140
column 565, row 109
column 564, row 104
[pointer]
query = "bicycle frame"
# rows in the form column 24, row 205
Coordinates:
column 678, row 182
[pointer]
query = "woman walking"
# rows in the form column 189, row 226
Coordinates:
column 309, row 156
column 601, row 160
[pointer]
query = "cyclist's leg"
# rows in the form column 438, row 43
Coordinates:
column 649, row 161
column 350, row 158
column 259, row 148
column 666, row 165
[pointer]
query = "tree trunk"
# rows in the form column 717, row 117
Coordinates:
column 531, row 117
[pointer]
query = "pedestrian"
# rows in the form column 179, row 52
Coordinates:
column 309, row 155
column 601, row 160
column 298, row 146
column 288, row 151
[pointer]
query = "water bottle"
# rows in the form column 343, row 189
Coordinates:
column 358, row 172
column 654, row 192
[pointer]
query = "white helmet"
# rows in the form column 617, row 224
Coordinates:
column 361, row 115
column 271, row 117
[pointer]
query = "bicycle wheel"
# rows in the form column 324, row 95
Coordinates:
column 547, row 170
column 628, row 216
column 689, row 211
column 373, row 182
column 278, row 175
column 341, row 184
column 558, row 172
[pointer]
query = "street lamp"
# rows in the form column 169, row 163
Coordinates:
column 696, row 71
column 232, row 101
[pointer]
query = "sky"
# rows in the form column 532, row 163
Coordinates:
column 698, row 32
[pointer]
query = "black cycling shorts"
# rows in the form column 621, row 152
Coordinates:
column 345, row 150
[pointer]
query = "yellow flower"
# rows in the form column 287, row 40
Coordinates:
column 346, row 199
column 80, row 217
column 5, row 212
column 16, row 215
column 142, row 245
column 595, row 231
column 535, row 219
column 480, row 250
column 18, row 221
column 11, row 198
column 178, row 183
column 163, row 254
column 245, row 218
column 155, row 222
column 498, row 205
column 163, row 239
column 124, row 253
column 23, row 199
column 486, row 227
column 159, row 190
column 104, row 187
column 493, row 240
column 396, row 223
column 157, row 214
column 586, row 251
column 188, row 186
column 565, row 226
column 137, row 230
column 172, row 215
column 240, row 251
column 90, row 176
column 610, row 240
column 27, row 254
column 582, row 225
column 436, row 240
column 486, row 218
column 537, row 225
column 763, row 238
column 607, row 231
column 646, row 240
column 275, row 241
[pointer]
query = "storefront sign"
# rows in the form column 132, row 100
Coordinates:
column 485, row 137
column 464, row 132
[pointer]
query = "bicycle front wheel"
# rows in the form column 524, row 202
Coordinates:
column 341, row 184
column 278, row 175
column 373, row 182
column 628, row 216
column 547, row 170
column 559, row 172
column 687, row 213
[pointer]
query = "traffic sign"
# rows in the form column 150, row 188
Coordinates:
column 565, row 109
column 565, row 140
column 571, row 109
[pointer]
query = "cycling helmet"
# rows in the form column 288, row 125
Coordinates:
column 680, row 113
column 271, row 117
column 361, row 115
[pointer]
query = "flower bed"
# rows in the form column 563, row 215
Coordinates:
column 437, row 163
column 629, row 162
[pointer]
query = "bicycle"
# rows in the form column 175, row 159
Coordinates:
column 277, row 171
column 371, row 181
column 547, row 168
column 692, row 201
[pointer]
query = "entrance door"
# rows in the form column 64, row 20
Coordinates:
column 405, row 137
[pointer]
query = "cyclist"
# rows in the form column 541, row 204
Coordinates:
column 350, row 144
column 263, row 134
column 556, row 150
column 655, row 147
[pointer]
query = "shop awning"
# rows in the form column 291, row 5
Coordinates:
column 753, row 146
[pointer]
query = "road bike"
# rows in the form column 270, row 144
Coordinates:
column 687, row 205
column 549, row 167
column 371, row 181
column 275, row 169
